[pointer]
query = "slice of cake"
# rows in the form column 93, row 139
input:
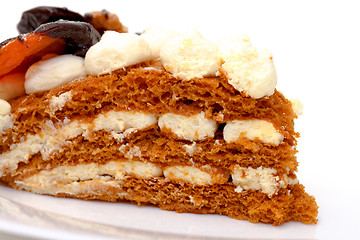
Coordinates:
column 162, row 118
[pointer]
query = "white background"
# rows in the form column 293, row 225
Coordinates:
column 316, row 47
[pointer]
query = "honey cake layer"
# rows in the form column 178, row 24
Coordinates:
column 147, row 87
column 289, row 204
column 148, row 145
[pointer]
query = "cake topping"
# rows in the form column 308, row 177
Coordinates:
column 47, row 74
column 249, row 70
column 104, row 20
column 26, row 49
column 101, row 20
column 192, row 128
column 252, row 129
column 78, row 36
column 33, row 18
column 186, row 56
column 230, row 46
column 114, row 51
column 57, row 37
column 189, row 56
column 156, row 36
column 17, row 54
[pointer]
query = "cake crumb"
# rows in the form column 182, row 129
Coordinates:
column 297, row 106
column 190, row 149
column 57, row 103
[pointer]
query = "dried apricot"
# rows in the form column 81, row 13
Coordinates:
column 26, row 49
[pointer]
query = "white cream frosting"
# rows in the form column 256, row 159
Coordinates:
column 192, row 128
column 190, row 56
column 156, row 36
column 47, row 74
column 252, row 129
column 230, row 46
column 251, row 71
column 6, row 120
column 116, row 50
column 263, row 179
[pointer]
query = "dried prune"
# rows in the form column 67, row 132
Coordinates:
column 78, row 36
column 33, row 18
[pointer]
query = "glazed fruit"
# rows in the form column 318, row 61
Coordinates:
column 33, row 18
column 104, row 20
column 101, row 20
column 26, row 49
column 60, row 37
column 79, row 36
column 56, row 37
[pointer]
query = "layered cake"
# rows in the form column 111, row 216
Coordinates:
column 159, row 118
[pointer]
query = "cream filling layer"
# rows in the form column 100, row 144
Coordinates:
column 74, row 179
column 122, row 123
column 252, row 129
column 192, row 128
column 263, row 179
column 51, row 139
column 67, row 179
column 194, row 175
